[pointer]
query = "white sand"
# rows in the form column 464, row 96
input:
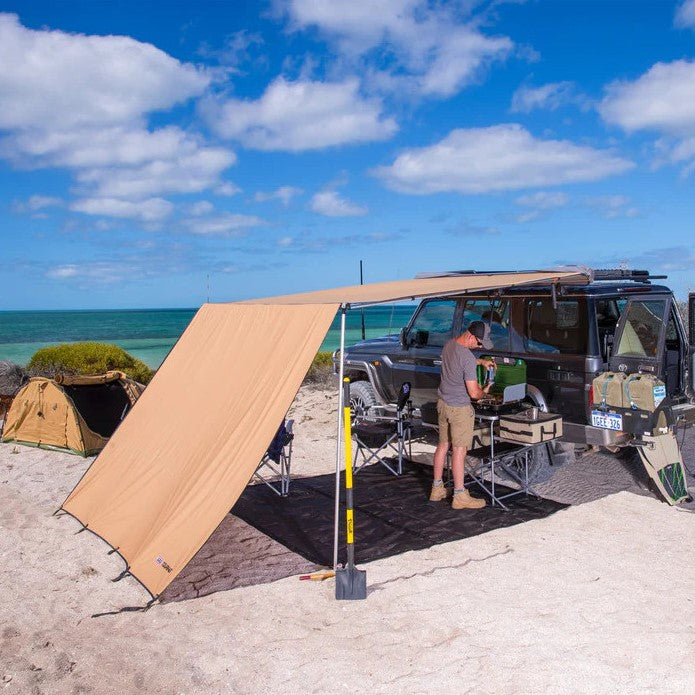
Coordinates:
column 599, row 598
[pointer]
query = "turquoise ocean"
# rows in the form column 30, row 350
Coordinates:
column 149, row 334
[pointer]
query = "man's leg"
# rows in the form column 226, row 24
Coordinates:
column 440, row 459
column 438, row 490
column 460, row 441
column 458, row 457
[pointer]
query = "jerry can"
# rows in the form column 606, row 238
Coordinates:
column 609, row 390
column 643, row 392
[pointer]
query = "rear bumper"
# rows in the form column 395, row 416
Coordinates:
column 587, row 434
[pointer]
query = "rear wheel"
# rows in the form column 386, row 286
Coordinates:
column 622, row 453
column 362, row 397
column 543, row 461
column 538, row 465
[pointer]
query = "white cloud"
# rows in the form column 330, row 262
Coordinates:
column 227, row 189
column 36, row 203
column 497, row 158
column 189, row 171
column 613, row 206
column 432, row 48
column 539, row 203
column 63, row 271
column 103, row 146
column 102, row 272
column 81, row 102
column 331, row 204
column 543, row 200
column 202, row 207
column 226, row 225
column 55, row 80
column 149, row 210
column 663, row 99
column 302, row 115
column 119, row 161
column 549, row 96
column 284, row 194
column 685, row 14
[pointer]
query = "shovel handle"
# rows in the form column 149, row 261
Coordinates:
column 350, row 524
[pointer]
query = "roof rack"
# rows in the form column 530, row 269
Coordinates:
column 454, row 273
column 643, row 276
column 603, row 274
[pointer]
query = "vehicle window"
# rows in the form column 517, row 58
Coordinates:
column 643, row 324
column 433, row 324
column 555, row 329
column 672, row 337
column 495, row 313
column 608, row 312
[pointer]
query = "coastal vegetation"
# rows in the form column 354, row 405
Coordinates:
column 321, row 370
column 87, row 358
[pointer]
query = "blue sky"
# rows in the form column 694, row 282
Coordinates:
column 153, row 154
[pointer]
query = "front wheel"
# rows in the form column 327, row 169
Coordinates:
column 362, row 397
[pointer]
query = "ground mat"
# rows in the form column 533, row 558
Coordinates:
column 392, row 514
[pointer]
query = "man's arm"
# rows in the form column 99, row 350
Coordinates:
column 474, row 390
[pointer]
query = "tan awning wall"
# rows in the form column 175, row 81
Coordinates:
column 396, row 290
column 183, row 455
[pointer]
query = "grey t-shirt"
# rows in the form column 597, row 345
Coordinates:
column 458, row 367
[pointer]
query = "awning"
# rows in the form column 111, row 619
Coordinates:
column 183, row 455
column 379, row 292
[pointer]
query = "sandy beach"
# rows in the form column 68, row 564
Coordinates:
column 597, row 598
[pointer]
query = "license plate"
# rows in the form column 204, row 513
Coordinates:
column 607, row 421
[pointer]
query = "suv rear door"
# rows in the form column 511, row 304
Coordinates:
column 640, row 336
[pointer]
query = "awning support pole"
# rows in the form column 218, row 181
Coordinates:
column 341, row 373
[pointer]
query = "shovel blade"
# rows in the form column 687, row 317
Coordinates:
column 350, row 584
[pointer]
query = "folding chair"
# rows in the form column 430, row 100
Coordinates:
column 384, row 432
column 277, row 460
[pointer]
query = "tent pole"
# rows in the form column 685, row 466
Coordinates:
column 341, row 373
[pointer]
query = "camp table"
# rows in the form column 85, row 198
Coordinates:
column 500, row 454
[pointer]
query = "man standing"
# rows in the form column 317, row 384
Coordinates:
column 459, row 384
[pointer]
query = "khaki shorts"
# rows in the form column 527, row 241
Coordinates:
column 455, row 424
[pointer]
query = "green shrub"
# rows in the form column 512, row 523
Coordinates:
column 86, row 359
column 321, row 370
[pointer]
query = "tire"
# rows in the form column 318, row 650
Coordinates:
column 542, row 463
column 622, row 453
column 362, row 397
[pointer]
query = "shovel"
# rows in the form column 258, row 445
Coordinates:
column 350, row 583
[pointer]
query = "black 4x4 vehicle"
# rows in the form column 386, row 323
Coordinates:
column 567, row 335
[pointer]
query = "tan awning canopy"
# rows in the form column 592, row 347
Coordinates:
column 183, row 455
column 378, row 292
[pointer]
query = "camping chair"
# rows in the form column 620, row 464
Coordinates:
column 277, row 460
column 380, row 432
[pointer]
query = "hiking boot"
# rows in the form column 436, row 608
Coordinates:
column 464, row 500
column 438, row 493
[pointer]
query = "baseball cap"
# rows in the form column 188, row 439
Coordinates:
column 477, row 329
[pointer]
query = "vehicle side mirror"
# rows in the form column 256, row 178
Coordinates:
column 421, row 338
column 403, row 338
